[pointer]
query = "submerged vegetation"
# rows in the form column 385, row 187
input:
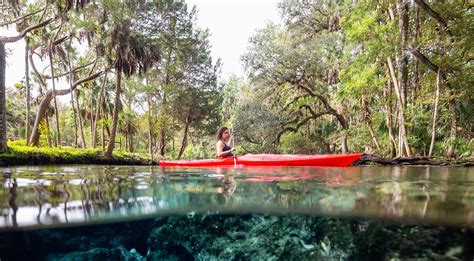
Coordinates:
column 389, row 77
column 263, row 237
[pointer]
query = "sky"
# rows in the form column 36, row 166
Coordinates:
column 231, row 24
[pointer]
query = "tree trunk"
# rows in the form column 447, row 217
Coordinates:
column 403, row 72
column 435, row 113
column 28, row 95
column 3, row 108
column 368, row 122
column 56, row 112
column 416, row 73
column 400, row 109
column 450, row 153
column 388, row 118
column 150, row 126
column 345, row 126
column 111, row 144
column 401, row 146
column 184, row 142
column 345, row 147
column 166, row 81
column 126, row 141
column 92, row 121
column 162, row 141
column 48, row 132
column 102, row 134
column 98, row 111
column 80, row 122
column 35, row 135
column 71, row 80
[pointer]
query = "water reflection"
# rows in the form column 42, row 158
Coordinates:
column 58, row 195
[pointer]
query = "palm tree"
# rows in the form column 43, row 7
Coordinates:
column 129, row 53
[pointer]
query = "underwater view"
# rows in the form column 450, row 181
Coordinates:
column 93, row 212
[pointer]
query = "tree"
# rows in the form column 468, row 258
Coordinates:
column 299, row 72
column 171, row 25
column 452, row 35
column 193, row 99
column 129, row 52
column 380, row 34
column 17, row 16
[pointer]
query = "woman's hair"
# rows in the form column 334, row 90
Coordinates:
column 220, row 132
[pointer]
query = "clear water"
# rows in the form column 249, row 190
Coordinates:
column 35, row 197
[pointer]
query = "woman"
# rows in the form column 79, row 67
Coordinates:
column 222, row 148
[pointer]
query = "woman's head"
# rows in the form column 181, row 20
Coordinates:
column 220, row 132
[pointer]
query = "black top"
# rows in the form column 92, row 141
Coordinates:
column 226, row 147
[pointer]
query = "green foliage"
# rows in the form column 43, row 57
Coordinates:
column 294, row 143
column 53, row 152
column 464, row 147
column 43, row 129
column 19, row 153
column 205, row 149
column 18, row 149
column 16, row 143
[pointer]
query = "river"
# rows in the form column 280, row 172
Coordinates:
column 40, row 198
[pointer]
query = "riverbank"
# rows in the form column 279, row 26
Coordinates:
column 25, row 155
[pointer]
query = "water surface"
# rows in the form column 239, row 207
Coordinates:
column 67, row 195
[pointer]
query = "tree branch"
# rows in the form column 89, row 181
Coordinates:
column 67, row 73
column 292, row 129
column 313, row 113
column 422, row 58
column 433, row 14
column 293, row 101
column 247, row 138
column 35, row 70
column 433, row 67
column 78, row 82
column 21, row 18
column 12, row 39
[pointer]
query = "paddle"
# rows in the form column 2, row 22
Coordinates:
column 233, row 145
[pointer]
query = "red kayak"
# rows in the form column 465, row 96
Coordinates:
column 330, row 160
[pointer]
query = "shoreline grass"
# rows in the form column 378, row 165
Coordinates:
column 26, row 155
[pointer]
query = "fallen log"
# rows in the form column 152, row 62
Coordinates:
column 370, row 159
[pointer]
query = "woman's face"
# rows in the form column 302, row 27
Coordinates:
column 226, row 135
